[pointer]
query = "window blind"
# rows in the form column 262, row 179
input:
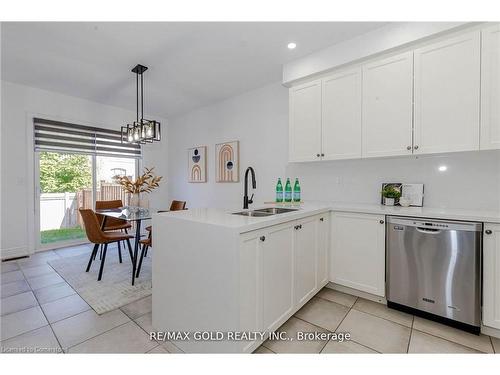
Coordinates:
column 66, row 137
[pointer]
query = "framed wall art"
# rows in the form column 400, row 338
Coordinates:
column 197, row 164
column 227, row 163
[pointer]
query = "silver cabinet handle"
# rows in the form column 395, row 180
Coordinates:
column 408, row 148
column 416, row 147
column 382, row 221
column 262, row 238
column 488, row 231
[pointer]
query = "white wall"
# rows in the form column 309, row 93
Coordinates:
column 259, row 120
column 19, row 104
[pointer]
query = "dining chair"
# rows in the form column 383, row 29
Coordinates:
column 113, row 224
column 99, row 237
column 147, row 242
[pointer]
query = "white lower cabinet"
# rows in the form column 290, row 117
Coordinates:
column 305, row 246
column 283, row 266
column 491, row 275
column 277, row 275
column 322, row 251
column 358, row 252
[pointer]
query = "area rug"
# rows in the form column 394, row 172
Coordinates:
column 115, row 288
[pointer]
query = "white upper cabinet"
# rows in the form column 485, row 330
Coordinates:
column 447, row 81
column 305, row 122
column 490, row 88
column 441, row 97
column 341, row 116
column 387, row 106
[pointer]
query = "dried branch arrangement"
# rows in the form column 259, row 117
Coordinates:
column 145, row 183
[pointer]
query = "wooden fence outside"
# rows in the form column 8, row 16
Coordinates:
column 106, row 192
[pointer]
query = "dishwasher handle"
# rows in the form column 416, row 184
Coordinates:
column 428, row 230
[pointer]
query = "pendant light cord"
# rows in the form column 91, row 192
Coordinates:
column 142, row 99
column 137, row 97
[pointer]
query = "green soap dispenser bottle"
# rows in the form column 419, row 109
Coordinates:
column 296, row 191
column 279, row 191
column 288, row 191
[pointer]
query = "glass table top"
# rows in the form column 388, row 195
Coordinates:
column 129, row 213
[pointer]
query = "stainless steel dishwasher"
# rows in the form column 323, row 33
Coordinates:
column 434, row 269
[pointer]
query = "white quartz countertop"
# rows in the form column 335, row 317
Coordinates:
column 225, row 218
column 429, row 212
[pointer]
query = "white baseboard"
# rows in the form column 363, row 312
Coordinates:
column 14, row 252
column 357, row 293
column 490, row 331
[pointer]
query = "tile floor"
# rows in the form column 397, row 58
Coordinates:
column 374, row 328
column 40, row 310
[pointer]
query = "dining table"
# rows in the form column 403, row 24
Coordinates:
column 130, row 214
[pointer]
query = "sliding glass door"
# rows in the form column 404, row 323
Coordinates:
column 69, row 181
column 65, row 183
column 76, row 165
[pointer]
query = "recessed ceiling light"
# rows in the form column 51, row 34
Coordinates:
column 291, row 45
column 442, row 168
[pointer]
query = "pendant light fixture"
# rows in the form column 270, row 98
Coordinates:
column 141, row 130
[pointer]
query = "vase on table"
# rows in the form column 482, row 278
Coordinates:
column 139, row 201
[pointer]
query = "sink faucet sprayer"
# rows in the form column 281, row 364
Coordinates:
column 247, row 201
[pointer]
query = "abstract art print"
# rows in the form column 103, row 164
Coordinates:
column 197, row 164
column 227, row 168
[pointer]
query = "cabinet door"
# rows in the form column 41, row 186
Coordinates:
column 305, row 122
column 358, row 252
column 250, row 283
column 387, row 106
column 305, row 259
column 491, row 275
column 447, row 79
column 490, row 88
column 277, row 275
column 341, row 116
column 323, row 237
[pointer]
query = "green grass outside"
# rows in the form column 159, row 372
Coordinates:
column 65, row 234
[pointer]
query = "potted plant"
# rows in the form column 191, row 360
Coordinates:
column 390, row 194
column 145, row 183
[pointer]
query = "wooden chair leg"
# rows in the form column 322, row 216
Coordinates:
column 92, row 256
column 119, row 251
column 144, row 249
column 102, row 262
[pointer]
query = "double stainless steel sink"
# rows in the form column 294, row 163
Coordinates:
column 263, row 212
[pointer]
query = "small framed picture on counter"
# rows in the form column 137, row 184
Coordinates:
column 415, row 193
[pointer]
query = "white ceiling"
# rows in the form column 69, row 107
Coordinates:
column 190, row 64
